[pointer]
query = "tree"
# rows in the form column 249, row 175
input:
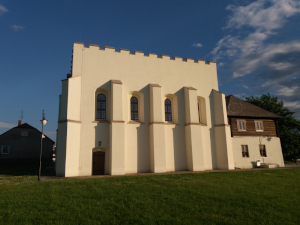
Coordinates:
column 288, row 126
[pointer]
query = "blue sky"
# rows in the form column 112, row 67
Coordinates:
column 256, row 45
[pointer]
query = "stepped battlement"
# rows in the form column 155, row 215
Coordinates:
column 140, row 53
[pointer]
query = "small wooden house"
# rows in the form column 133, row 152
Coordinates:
column 254, row 134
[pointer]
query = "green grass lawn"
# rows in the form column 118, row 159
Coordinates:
column 241, row 197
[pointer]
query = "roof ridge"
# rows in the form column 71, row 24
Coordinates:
column 28, row 127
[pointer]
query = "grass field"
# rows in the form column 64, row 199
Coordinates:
column 241, row 197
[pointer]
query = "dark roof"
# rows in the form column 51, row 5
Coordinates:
column 237, row 107
column 27, row 126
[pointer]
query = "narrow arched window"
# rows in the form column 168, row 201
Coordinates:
column 134, row 108
column 168, row 110
column 199, row 115
column 202, row 110
column 101, row 106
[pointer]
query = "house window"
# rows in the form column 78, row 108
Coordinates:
column 262, row 149
column 101, row 106
column 259, row 126
column 24, row 133
column 245, row 152
column 5, row 149
column 168, row 110
column 241, row 124
column 134, row 108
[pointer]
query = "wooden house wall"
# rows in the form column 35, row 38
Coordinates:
column 268, row 125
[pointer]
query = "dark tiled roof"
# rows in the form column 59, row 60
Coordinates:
column 237, row 107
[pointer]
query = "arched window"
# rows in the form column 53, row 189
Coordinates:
column 101, row 106
column 199, row 112
column 168, row 110
column 134, row 108
column 202, row 110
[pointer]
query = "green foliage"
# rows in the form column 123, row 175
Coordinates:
column 288, row 126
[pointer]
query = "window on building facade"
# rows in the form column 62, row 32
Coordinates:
column 24, row 133
column 199, row 112
column 134, row 108
column 101, row 106
column 168, row 110
column 259, row 126
column 245, row 152
column 241, row 124
column 202, row 110
column 5, row 149
column 262, row 149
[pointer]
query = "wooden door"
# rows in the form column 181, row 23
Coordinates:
column 98, row 163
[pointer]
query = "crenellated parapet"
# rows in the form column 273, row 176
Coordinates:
column 140, row 53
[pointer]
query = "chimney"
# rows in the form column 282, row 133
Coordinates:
column 19, row 122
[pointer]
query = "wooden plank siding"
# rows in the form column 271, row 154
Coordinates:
column 269, row 127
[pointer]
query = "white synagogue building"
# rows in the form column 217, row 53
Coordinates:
column 123, row 112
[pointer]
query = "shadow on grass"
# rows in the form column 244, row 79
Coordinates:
column 17, row 168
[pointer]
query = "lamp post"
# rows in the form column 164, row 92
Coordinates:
column 43, row 121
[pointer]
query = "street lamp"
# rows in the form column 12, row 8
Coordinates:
column 43, row 121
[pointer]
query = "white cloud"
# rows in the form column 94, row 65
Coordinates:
column 17, row 28
column 258, row 15
column 287, row 91
column 197, row 45
column 292, row 105
column 280, row 65
column 264, row 16
column 3, row 10
column 227, row 42
column 253, row 42
column 272, row 65
column 249, row 62
column 6, row 125
column 250, row 53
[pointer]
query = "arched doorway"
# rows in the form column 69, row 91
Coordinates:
column 98, row 162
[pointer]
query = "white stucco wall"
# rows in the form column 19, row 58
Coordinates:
column 97, row 67
column 222, row 134
column 273, row 150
